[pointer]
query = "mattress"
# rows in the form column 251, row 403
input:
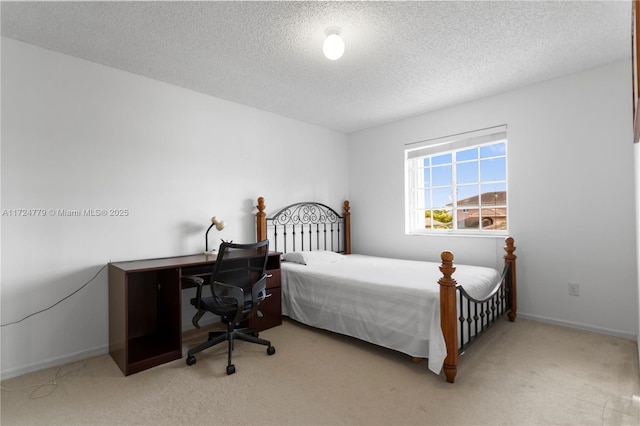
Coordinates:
column 392, row 303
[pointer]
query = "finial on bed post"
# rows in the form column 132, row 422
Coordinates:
column 261, row 221
column 510, row 259
column 347, row 227
column 449, row 315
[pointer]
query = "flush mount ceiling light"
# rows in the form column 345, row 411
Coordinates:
column 333, row 46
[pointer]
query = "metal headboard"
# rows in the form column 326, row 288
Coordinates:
column 305, row 226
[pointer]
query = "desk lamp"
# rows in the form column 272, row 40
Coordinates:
column 219, row 224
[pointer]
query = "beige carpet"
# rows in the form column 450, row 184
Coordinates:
column 522, row 373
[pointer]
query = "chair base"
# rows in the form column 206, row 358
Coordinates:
column 230, row 335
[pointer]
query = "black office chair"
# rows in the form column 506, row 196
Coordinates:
column 238, row 285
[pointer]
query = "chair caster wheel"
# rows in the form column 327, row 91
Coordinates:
column 271, row 350
column 231, row 369
column 191, row 360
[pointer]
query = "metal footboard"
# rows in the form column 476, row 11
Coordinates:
column 477, row 315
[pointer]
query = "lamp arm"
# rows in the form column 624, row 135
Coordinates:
column 206, row 237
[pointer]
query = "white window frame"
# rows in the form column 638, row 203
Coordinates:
column 414, row 154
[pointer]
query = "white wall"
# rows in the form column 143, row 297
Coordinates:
column 571, row 195
column 77, row 135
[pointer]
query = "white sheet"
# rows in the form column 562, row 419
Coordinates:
column 393, row 303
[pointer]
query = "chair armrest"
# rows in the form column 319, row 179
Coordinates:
column 197, row 281
column 259, row 293
column 231, row 292
column 259, row 289
column 192, row 279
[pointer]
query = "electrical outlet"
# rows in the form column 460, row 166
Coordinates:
column 574, row 289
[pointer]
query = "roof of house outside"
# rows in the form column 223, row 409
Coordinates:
column 487, row 198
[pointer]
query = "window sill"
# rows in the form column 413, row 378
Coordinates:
column 460, row 233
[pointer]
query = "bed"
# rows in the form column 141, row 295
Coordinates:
column 415, row 307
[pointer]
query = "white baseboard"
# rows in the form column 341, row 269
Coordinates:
column 54, row 362
column 615, row 333
column 78, row 356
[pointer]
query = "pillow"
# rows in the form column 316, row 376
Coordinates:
column 311, row 258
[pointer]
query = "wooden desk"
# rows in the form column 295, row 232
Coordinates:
column 145, row 300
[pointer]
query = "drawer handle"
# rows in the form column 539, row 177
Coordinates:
column 269, row 275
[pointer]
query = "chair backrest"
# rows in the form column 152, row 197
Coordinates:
column 241, row 266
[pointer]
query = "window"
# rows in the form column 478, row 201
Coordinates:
column 458, row 184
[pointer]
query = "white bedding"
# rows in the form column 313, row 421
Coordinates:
column 389, row 302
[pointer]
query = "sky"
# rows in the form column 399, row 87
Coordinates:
column 478, row 170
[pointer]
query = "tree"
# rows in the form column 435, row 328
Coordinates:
column 442, row 216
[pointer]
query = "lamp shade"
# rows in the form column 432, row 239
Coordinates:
column 218, row 223
column 333, row 46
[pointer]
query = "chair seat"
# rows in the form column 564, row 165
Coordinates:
column 219, row 306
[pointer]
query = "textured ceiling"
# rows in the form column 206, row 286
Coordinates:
column 401, row 58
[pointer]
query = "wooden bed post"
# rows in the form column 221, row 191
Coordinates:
column 347, row 227
column 261, row 221
column 510, row 258
column 449, row 315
